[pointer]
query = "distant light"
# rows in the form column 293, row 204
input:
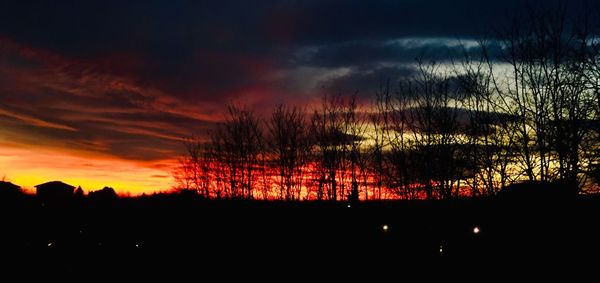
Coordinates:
column 50, row 244
column 385, row 228
column 476, row 230
column 349, row 206
column 137, row 245
column 441, row 249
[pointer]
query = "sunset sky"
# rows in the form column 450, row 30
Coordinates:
column 102, row 93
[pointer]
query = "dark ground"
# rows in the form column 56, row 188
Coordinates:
column 175, row 235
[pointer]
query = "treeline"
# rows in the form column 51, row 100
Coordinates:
column 521, row 105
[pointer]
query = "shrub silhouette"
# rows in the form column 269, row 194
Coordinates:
column 539, row 191
column 106, row 194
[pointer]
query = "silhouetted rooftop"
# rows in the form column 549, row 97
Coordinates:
column 54, row 184
column 8, row 186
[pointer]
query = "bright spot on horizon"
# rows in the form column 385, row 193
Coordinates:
column 49, row 244
column 348, row 206
column 385, row 227
column 476, row 230
column 441, row 248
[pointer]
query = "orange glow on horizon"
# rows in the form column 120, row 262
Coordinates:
column 27, row 168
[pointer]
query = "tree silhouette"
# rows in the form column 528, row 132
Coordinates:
column 289, row 144
column 239, row 146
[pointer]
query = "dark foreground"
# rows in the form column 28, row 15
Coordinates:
column 176, row 235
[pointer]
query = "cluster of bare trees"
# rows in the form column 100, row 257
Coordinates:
column 290, row 156
column 526, row 107
column 550, row 89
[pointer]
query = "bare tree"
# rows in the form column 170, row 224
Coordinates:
column 355, row 127
column 327, row 126
column 392, row 152
column 239, row 148
column 379, row 121
column 193, row 170
column 490, row 132
column 289, row 144
column 434, row 125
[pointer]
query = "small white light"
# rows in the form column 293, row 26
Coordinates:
column 50, row 244
column 137, row 245
column 476, row 230
column 385, row 227
column 441, row 249
column 349, row 206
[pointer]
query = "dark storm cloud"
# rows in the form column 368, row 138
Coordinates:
column 89, row 27
column 188, row 47
column 214, row 49
column 370, row 53
column 366, row 83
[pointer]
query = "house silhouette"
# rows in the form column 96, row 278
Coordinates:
column 54, row 190
column 8, row 189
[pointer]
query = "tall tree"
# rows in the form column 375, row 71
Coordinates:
column 239, row 147
column 289, row 145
